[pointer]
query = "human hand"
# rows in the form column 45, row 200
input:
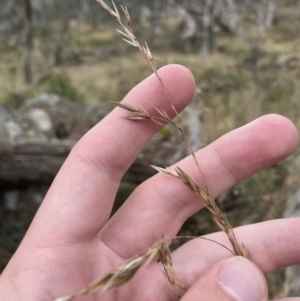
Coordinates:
column 71, row 242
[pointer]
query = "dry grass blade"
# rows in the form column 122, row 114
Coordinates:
column 122, row 33
column 125, row 106
column 218, row 216
column 116, row 278
column 132, row 43
column 187, row 180
column 147, row 51
column 143, row 111
column 164, row 256
column 127, row 16
column 111, row 280
column 140, row 113
column 166, row 171
column 163, row 114
column 106, row 7
column 123, row 274
column 136, row 117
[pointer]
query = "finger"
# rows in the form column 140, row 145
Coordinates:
column 272, row 245
column 161, row 204
column 233, row 279
column 80, row 199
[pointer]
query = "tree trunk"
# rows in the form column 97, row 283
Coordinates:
column 261, row 15
column 270, row 13
column 27, row 42
column 194, row 121
column 156, row 12
column 60, row 45
column 38, row 160
column 265, row 11
column 232, row 14
column 207, row 40
column 188, row 25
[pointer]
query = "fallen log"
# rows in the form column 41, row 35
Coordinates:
column 39, row 161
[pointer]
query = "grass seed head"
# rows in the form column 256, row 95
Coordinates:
column 126, row 15
column 123, row 274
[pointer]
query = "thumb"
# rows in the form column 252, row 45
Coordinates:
column 231, row 279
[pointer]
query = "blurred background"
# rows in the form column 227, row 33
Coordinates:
column 61, row 62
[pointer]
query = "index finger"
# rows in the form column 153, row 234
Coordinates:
column 80, row 200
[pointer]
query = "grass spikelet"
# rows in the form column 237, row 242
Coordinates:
column 113, row 279
column 125, row 106
column 187, row 180
column 126, row 15
column 163, row 113
column 123, row 274
column 164, row 256
column 140, row 113
column 166, row 171
column 209, row 202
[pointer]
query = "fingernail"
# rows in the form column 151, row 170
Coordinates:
column 241, row 280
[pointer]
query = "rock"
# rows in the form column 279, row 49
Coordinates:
column 41, row 119
column 30, row 138
column 36, row 140
column 10, row 125
column 60, row 118
column 11, row 199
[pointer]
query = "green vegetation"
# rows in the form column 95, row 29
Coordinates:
column 60, row 84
